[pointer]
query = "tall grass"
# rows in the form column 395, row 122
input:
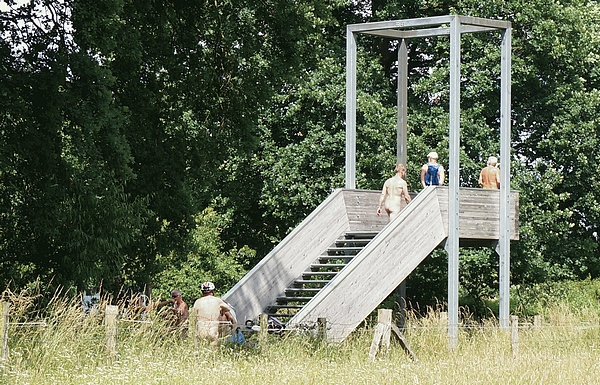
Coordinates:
column 69, row 348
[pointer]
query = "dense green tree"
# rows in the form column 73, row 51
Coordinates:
column 558, row 133
column 195, row 77
column 124, row 119
column 121, row 121
column 555, row 103
column 65, row 214
column 300, row 135
column 205, row 261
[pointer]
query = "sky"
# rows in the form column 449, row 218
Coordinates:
column 4, row 7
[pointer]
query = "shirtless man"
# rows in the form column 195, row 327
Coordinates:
column 179, row 310
column 393, row 190
column 489, row 177
column 214, row 315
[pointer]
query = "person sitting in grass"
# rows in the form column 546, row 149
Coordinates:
column 215, row 318
column 179, row 311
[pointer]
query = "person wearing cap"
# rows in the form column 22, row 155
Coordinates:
column 489, row 177
column 393, row 190
column 432, row 173
column 214, row 315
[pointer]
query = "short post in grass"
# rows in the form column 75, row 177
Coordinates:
column 264, row 328
column 4, row 317
column 110, row 321
column 514, row 335
column 444, row 318
column 537, row 321
column 193, row 331
column 322, row 328
column 382, row 332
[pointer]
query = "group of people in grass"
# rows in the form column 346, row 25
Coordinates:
column 215, row 317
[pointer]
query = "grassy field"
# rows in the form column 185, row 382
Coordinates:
column 70, row 349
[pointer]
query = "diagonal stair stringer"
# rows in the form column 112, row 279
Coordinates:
column 340, row 212
column 378, row 269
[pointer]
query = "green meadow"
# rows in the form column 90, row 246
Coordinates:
column 66, row 346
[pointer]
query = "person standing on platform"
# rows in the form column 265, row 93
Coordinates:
column 489, row 177
column 432, row 173
column 393, row 190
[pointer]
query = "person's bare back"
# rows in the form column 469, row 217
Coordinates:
column 214, row 315
column 489, row 177
column 394, row 189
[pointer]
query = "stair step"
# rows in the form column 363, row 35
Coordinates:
column 345, row 249
column 319, row 274
column 345, row 258
column 279, row 307
column 285, row 300
column 327, row 265
column 361, row 234
column 352, row 242
column 280, row 315
column 311, row 281
column 301, row 289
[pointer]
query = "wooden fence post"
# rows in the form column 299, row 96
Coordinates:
column 110, row 321
column 322, row 328
column 264, row 328
column 4, row 318
column 537, row 321
column 382, row 332
column 384, row 316
column 193, row 327
column 444, row 318
column 514, row 335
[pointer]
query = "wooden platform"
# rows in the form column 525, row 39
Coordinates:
column 380, row 267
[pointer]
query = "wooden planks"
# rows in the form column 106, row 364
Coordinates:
column 380, row 267
column 361, row 208
column 397, row 250
column 376, row 271
column 269, row 278
column 479, row 212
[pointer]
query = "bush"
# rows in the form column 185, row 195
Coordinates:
column 202, row 260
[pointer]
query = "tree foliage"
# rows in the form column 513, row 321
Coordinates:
column 153, row 141
column 205, row 261
column 65, row 161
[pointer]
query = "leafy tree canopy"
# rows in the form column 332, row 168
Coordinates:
column 121, row 122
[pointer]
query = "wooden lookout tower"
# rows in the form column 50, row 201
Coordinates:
column 343, row 260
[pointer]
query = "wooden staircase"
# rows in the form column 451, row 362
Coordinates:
column 319, row 274
column 320, row 269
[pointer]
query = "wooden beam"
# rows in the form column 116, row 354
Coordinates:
column 400, row 337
